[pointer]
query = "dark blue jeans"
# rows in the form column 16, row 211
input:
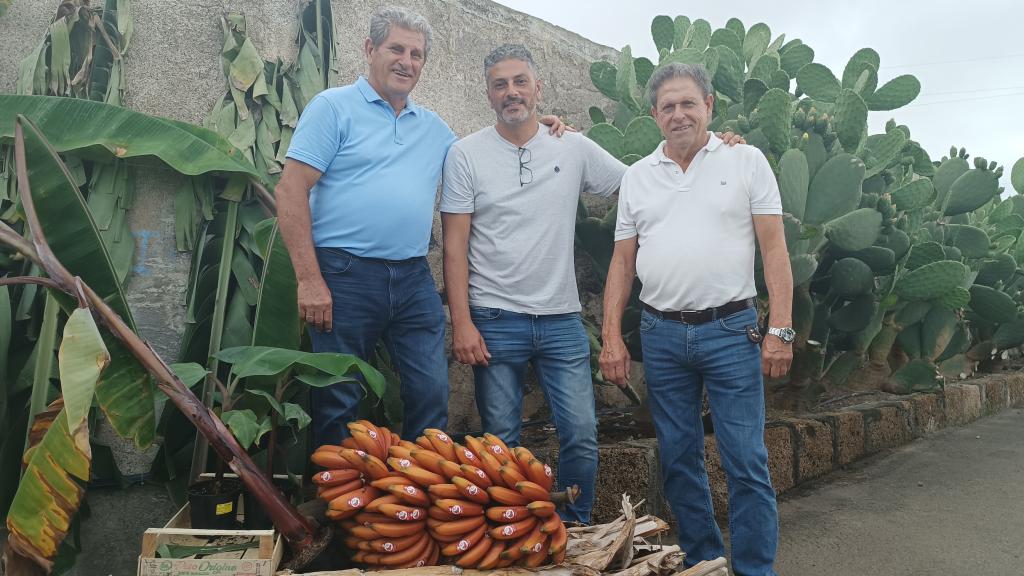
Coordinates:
column 679, row 360
column 396, row 301
column 559, row 349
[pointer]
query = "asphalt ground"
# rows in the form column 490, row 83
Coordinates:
column 949, row 504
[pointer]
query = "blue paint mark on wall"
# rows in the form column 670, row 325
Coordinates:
column 142, row 237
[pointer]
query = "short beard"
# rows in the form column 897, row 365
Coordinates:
column 516, row 119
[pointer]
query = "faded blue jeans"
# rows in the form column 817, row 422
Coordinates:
column 679, row 360
column 559, row 349
column 396, row 301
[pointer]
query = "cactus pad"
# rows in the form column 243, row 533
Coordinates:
column 835, row 189
column 916, row 376
column 971, row 241
column 937, row 329
column 993, row 305
column 1017, row 176
column 794, row 178
column 931, row 280
column 972, row 190
column 663, row 30
column 773, row 109
column 850, row 120
column 923, row 254
column 818, row 82
column 895, row 93
column 1009, row 335
column 603, row 75
column 608, row 137
column 855, row 230
column 642, row 136
column 914, row 195
column 851, row 278
column 1000, row 268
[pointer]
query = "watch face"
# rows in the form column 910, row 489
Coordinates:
column 787, row 335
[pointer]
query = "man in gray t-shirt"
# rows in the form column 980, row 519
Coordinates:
column 508, row 209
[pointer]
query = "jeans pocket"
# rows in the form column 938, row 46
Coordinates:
column 737, row 322
column 648, row 321
column 483, row 313
column 334, row 261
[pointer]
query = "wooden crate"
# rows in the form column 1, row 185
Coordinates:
column 260, row 560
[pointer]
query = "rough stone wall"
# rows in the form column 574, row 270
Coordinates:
column 173, row 70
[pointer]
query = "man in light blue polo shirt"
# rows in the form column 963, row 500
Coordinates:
column 355, row 203
column 369, row 159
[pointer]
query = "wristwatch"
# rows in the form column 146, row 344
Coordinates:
column 787, row 335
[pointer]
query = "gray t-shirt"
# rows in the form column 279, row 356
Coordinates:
column 523, row 224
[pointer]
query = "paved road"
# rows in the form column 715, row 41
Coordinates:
column 950, row 504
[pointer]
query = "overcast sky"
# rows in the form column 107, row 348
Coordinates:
column 968, row 55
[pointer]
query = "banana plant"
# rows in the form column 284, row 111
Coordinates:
column 262, row 379
column 117, row 358
column 257, row 114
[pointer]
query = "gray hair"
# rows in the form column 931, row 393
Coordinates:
column 383, row 19
column 509, row 52
column 696, row 72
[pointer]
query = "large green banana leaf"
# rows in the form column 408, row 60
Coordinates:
column 125, row 392
column 277, row 317
column 98, row 130
column 48, row 496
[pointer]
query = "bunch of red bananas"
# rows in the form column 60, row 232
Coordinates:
column 405, row 504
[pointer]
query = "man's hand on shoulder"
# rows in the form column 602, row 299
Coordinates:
column 468, row 346
column 555, row 125
column 315, row 304
column 730, row 138
column 776, row 356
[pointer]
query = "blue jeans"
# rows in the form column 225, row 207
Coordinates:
column 679, row 360
column 559, row 349
column 396, row 301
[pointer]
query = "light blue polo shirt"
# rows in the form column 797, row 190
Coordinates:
column 380, row 173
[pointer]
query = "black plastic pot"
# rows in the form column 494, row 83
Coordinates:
column 256, row 517
column 214, row 507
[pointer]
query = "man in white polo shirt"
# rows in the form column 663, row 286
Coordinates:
column 688, row 217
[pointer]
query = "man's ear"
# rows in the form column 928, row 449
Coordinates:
column 367, row 48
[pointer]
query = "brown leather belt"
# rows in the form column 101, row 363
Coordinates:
column 702, row 316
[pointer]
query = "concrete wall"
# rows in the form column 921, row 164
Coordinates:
column 173, row 70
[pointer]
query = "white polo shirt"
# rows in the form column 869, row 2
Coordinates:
column 695, row 228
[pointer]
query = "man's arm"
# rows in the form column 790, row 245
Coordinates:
column 776, row 356
column 468, row 346
column 614, row 356
column 292, row 195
